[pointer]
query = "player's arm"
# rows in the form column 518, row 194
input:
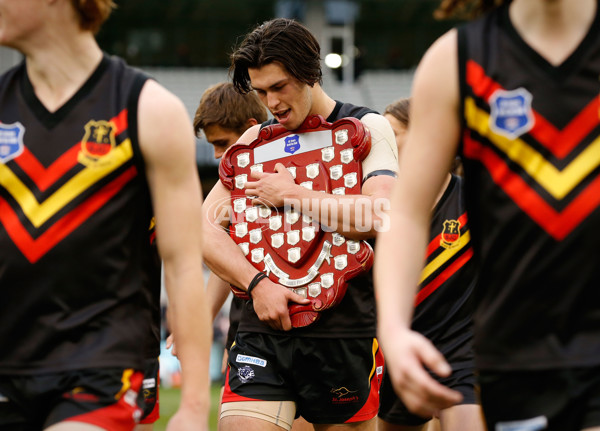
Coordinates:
column 217, row 291
column 433, row 137
column 224, row 257
column 168, row 148
column 356, row 216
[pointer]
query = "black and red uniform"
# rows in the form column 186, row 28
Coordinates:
column 444, row 303
column 320, row 366
column 77, row 271
column 531, row 155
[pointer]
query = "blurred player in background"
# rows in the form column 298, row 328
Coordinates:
column 90, row 151
column 443, row 304
column 516, row 94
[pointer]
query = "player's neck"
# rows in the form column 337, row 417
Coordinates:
column 322, row 104
column 554, row 28
column 60, row 68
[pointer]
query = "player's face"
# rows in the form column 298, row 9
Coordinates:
column 400, row 131
column 19, row 21
column 220, row 138
column 288, row 99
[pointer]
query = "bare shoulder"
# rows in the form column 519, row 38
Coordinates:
column 163, row 122
column 438, row 70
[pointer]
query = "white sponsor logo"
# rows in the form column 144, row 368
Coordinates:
column 243, row 359
column 533, row 424
column 149, row 383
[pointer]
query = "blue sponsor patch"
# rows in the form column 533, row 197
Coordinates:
column 511, row 113
column 11, row 141
column 292, row 144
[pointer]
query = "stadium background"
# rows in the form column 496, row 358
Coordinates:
column 185, row 45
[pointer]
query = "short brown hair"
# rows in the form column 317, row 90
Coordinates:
column 465, row 9
column 281, row 40
column 399, row 110
column 93, row 13
column 222, row 105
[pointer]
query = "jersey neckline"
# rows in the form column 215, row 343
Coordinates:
column 51, row 119
column 570, row 63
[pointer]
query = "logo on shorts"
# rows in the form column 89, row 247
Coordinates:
column 245, row 374
column 243, row 359
column 511, row 114
column 451, row 234
column 343, row 395
column 534, row 424
column 130, row 397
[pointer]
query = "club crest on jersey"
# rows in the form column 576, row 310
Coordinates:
column 98, row 140
column 292, row 144
column 11, row 141
column 511, row 114
column 450, row 234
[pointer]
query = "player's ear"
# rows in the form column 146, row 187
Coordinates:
column 251, row 122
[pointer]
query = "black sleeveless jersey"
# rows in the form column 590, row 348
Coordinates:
column 531, row 150
column 77, row 267
column 444, row 303
column 354, row 316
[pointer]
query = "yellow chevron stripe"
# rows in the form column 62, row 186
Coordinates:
column 445, row 256
column 557, row 183
column 39, row 213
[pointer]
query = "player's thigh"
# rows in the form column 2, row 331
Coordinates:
column 462, row 417
column 234, row 423
column 74, row 426
column 369, row 425
column 300, row 424
column 251, row 415
column 256, row 416
column 383, row 425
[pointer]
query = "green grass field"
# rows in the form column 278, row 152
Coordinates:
column 169, row 400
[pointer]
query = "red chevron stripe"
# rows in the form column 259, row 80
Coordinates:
column 558, row 142
column 45, row 177
column 434, row 284
column 556, row 224
column 435, row 242
column 34, row 249
column 42, row 177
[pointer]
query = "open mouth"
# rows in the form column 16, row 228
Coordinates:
column 282, row 116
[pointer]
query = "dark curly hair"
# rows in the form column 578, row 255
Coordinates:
column 283, row 41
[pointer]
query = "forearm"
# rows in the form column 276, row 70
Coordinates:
column 399, row 257
column 217, row 291
column 225, row 259
column 193, row 331
column 354, row 216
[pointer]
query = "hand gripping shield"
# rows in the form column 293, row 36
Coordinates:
column 291, row 248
